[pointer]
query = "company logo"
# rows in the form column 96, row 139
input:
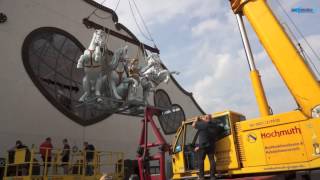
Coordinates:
column 252, row 137
column 276, row 133
column 300, row 10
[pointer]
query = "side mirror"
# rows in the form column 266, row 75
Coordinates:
column 178, row 149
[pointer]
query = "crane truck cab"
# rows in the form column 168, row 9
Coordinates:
column 185, row 159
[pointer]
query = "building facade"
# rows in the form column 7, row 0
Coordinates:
column 41, row 41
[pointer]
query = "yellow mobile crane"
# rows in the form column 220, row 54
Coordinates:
column 271, row 143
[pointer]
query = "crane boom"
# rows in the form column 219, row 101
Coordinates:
column 294, row 71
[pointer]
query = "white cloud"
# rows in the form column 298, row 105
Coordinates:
column 219, row 94
column 205, row 27
column 225, row 82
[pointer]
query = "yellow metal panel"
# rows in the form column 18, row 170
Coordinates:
column 178, row 162
column 275, row 145
column 226, row 154
column 315, row 163
column 311, row 136
column 275, row 139
column 272, row 168
column 253, row 148
column 17, row 178
column 294, row 71
column 273, row 120
column 283, row 144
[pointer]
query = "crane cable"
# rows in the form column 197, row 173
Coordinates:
column 94, row 11
column 297, row 29
column 143, row 22
column 302, row 52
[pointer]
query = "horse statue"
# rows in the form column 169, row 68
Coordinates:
column 119, row 82
column 154, row 71
column 153, row 74
column 92, row 61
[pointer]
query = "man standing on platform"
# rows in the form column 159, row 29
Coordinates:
column 206, row 145
column 65, row 154
column 45, row 151
column 89, row 153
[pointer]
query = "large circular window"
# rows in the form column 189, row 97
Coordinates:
column 50, row 57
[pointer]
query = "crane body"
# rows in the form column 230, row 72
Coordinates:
column 271, row 143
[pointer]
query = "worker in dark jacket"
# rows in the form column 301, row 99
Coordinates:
column 206, row 145
column 89, row 153
column 65, row 156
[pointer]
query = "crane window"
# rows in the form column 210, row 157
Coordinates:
column 179, row 144
column 171, row 119
column 223, row 121
column 190, row 135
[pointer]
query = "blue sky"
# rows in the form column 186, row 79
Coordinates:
column 201, row 40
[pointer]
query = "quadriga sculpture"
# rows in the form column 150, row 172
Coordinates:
column 118, row 81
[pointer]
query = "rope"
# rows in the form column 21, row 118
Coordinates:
column 143, row 22
column 301, row 50
column 135, row 20
column 115, row 9
column 140, row 29
column 300, row 33
column 290, row 32
column 144, row 52
column 93, row 12
column 305, row 55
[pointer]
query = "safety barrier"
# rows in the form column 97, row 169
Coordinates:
column 24, row 164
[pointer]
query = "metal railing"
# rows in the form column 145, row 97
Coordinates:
column 23, row 162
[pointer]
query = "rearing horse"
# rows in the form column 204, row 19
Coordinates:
column 154, row 71
column 153, row 74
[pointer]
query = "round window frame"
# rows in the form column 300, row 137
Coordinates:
column 26, row 62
